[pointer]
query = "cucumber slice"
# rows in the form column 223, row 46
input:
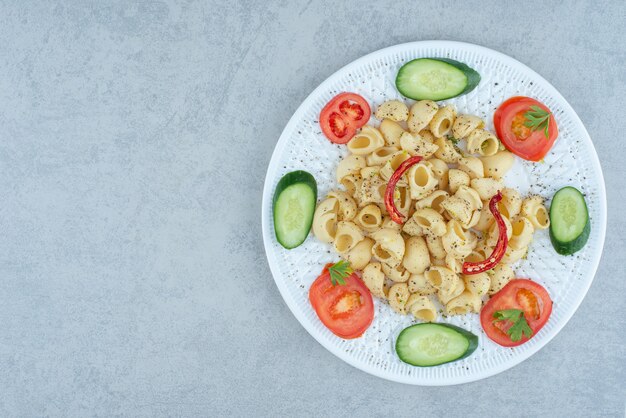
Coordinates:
column 430, row 344
column 569, row 221
column 294, row 206
column 435, row 79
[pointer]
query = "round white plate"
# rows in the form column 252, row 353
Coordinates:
column 572, row 161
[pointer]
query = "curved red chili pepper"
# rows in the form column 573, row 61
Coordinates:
column 498, row 250
column 394, row 213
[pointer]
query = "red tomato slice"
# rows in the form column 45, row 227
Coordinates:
column 519, row 139
column 524, row 294
column 347, row 310
column 343, row 115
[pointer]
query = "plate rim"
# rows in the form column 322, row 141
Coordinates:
column 282, row 287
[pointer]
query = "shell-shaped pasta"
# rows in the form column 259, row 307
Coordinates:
column 441, row 124
column 352, row 184
column 325, row 220
column 347, row 205
column 422, row 181
column 444, row 297
column 431, row 221
column 477, row 284
column 465, row 124
column 325, row 226
column 482, row 142
column 522, row 233
column 398, row 274
column 513, row 255
column 442, row 278
column 486, row 187
column 473, row 220
column 330, row 204
column 472, row 166
column 454, row 264
column 392, row 165
column 500, row 275
column 371, row 171
column 418, row 284
column 472, row 237
column 347, row 237
column 352, row 164
column 457, row 208
column 511, row 203
column 374, row 279
column 471, row 196
column 366, row 141
column 427, row 136
column 380, row 156
column 440, row 262
column 369, row 218
column 402, row 200
column 416, row 145
column 392, row 109
column 412, row 229
column 372, row 190
column 485, row 219
column 389, row 246
column 433, row 201
column 456, row 241
column 421, row 307
column 361, row 254
column 420, row 115
column 440, row 168
column 498, row 165
column 483, row 248
column 435, row 247
column 457, row 178
column 416, row 256
column 390, row 224
column 534, row 210
column 447, row 152
column 398, row 297
column 494, row 231
column 391, row 132
column 475, row 257
column 465, row 303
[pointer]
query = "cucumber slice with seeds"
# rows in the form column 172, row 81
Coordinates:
column 294, row 206
column 569, row 221
column 435, row 79
column 431, row 344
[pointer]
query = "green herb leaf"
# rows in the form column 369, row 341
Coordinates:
column 339, row 271
column 537, row 118
column 520, row 326
column 454, row 140
column 455, row 144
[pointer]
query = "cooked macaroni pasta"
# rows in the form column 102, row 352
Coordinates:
column 444, row 199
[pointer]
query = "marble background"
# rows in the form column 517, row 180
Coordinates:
column 134, row 137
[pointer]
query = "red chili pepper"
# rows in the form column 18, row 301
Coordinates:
column 395, row 214
column 498, row 250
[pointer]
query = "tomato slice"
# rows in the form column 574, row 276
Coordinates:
column 525, row 295
column 510, row 123
column 347, row 310
column 343, row 115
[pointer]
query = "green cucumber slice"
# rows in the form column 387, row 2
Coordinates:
column 431, row 344
column 435, row 79
column 294, row 206
column 569, row 221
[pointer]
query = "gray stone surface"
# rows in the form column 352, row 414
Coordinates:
column 134, row 137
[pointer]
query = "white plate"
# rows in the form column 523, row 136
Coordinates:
column 572, row 161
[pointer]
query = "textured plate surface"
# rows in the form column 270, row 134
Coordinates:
column 572, row 161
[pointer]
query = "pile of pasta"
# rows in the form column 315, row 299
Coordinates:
column 444, row 199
